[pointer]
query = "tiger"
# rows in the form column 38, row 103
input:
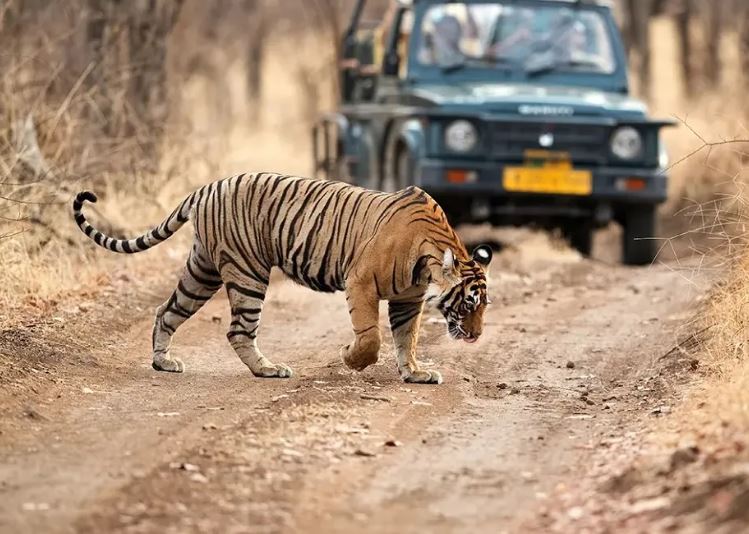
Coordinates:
column 328, row 236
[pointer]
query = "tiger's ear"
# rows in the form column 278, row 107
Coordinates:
column 448, row 262
column 482, row 255
column 450, row 272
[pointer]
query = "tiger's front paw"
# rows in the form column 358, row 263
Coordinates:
column 358, row 361
column 163, row 362
column 423, row 377
column 273, row 370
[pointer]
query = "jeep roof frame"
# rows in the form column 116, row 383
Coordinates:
column 349, row 40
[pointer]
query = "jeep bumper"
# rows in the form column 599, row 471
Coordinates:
column 480, row 195
column 610, row 184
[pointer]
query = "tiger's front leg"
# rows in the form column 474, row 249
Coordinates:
column 405, row 318
column 363, row 308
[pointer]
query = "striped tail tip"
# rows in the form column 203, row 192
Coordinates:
column 80, row 198
column 84, row 196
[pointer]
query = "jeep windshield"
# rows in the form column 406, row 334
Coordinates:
column 533, row 39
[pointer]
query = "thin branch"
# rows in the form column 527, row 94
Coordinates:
column 705, row 144
column 32, row 202
column 8, row 236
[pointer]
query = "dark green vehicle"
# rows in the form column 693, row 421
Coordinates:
column 515, row 112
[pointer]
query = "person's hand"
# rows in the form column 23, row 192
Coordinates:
column 349, row 64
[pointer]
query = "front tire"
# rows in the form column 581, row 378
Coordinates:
column 638, row 245
column 579, row 234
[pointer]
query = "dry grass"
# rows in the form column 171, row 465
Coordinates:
column 725, row 353
column 713, row 116
column 709, row 195
column 713, row 411
column 44, row 260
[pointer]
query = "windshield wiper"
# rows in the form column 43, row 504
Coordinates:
column 467, row 60
column 453, row 67
column 544, row 68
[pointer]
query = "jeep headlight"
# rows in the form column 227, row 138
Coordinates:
column 663, row 159
column 626, row 143
column 461, row 136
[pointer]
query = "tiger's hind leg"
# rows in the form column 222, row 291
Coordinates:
column 246, row 295
column 199, row 282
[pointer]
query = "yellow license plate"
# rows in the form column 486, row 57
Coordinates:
column 551, row 180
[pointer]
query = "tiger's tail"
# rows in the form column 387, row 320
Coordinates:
column 153, row 237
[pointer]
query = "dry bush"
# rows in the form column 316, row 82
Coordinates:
column 727, row 315
column 718, row 333
column 69, row 121
column 714, row 115
column 725, row 320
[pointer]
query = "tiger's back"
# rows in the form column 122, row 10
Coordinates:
column 313, row 230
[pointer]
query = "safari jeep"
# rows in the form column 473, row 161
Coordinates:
column 508, row 111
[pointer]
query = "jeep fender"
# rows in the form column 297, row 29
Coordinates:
column 366, row 155
column 404, row 133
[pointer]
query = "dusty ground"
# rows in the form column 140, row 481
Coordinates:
column 93, row 440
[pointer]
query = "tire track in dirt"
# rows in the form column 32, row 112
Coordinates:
column 121, row 418
column 526, row 420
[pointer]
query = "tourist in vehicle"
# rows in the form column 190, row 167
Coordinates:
column 513, row 35
column 442, row 45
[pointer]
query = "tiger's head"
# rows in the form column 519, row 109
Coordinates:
column 460, row 294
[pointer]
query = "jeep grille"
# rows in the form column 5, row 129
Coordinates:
column 586, row 144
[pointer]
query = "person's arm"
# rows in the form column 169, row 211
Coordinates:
column 472, row 28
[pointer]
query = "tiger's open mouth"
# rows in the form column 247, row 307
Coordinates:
column 458, row 333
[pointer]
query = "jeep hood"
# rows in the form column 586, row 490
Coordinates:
column 528, row 99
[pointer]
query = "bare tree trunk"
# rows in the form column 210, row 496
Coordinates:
column 328, row 14
column 713, row 23
column 683, row 23
column 255, row 61
column 638, row 12
column 627, row 27
column 128, row 43
column 96, row 25
column 12, row 14
column 149, row 25
column 255, row 58
column 743, row 16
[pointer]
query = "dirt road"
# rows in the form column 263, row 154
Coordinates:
column 93, row 440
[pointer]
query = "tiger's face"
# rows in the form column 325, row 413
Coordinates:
column 462, row 299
